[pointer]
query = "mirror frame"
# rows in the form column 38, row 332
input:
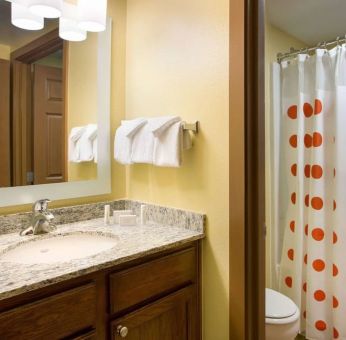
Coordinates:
column 102, row 185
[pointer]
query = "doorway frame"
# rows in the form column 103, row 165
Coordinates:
column 247, row 171
column 255, row 228
column 21, row 60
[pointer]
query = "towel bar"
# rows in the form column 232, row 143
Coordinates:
column 194, row 127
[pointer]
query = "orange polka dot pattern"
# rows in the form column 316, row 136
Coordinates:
column 308, row 195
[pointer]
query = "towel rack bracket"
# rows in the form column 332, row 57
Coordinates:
column 194, row 127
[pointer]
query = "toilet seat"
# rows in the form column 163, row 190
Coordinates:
column 280, row 309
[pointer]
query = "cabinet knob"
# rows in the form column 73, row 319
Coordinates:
column 122, row 331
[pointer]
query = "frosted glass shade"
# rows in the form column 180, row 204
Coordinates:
column 92, row 15
column 46, row 8
column 21, row 17
column 69, row 30
column 68, row 24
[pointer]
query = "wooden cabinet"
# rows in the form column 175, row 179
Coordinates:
column 154, row 298
column 169, row 318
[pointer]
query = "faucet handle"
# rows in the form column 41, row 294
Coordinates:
column 41, row 205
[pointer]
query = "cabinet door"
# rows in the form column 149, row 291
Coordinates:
column 170, row 318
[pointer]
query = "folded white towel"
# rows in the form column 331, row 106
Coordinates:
column 143, row 146
column 73, row 143
column 132, row 126
column 168, row 147
column 122, row 146
column 160, row 124
column 124, row 137
column 86, row 153
column 144, row 140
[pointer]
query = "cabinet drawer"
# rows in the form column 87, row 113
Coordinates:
column 51, row 318
column 135, row 285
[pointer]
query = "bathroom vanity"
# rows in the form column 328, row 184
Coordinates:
column 142, row 299
column 146, row 286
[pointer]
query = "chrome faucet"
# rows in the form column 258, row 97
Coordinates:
column 41, row 221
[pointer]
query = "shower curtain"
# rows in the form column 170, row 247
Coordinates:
column 312, row 186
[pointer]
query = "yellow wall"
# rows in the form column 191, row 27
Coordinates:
column 177, row 63
column 276, row 41
column 82, row 81
column 5, row 51
column 116, row 10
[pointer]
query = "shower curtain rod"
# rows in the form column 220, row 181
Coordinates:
column 293, row 52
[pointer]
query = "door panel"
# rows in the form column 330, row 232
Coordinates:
column 22, row 120
column 170, row 318
column 49, row 125
column 5, row 178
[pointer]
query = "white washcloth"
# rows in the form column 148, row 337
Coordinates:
column 158, row 125
column 74, row 145
column 86, row 153
column 168, row 147
column 124, row 137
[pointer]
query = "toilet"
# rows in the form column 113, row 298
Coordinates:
column 282, row 316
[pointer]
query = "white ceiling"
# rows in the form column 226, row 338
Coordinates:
column 311, row 21
column 14, row 36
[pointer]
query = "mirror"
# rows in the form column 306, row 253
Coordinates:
column 48, row 105
column 36, row 157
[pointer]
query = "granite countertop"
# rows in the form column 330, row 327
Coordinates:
column 131, row 243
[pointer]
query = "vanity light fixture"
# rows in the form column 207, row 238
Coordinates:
column 46, row 8
column 68, row 23
column 21, row 17
column 76, row 17
column 92, row 15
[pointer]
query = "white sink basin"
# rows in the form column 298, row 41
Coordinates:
column 60, row 248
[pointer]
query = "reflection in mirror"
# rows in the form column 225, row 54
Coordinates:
column 48, row 105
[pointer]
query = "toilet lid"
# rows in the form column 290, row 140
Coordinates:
column 279, row 306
